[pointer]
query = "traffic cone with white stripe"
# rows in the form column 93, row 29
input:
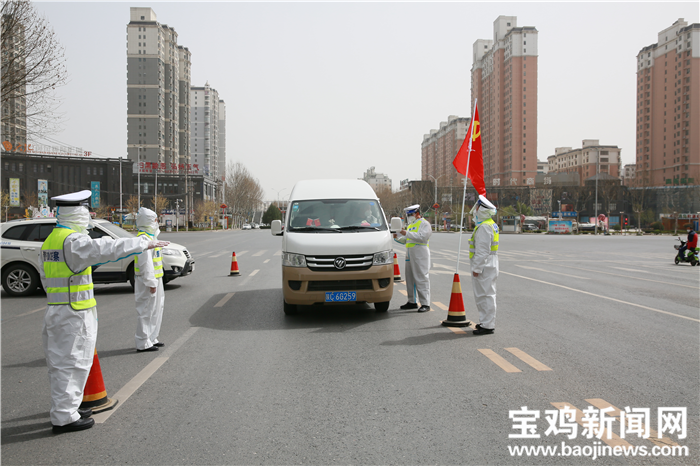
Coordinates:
column 95, row 394
column 397, row 270
column 456, row 317
column 234, row 265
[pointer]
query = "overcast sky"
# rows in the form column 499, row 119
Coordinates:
column 328, row 90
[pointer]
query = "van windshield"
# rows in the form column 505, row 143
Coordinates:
column 336, row 214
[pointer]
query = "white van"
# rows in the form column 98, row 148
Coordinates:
column 336, row 246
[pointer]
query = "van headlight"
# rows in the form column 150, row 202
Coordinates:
column 170, row 252
column 384, row 257
column 293, row 260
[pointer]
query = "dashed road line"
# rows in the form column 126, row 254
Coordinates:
column 653, row 435
column 608, row 437
column 499, row 361
column 224, row 300
column 526, row 358
column 260, row 253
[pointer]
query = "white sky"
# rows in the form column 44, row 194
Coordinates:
column 327, row 90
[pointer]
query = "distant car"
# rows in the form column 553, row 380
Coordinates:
column 246, row 226
column 586, row 226
column 22, row 240
column 529, row 227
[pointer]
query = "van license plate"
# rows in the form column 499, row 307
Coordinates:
column 341, row 296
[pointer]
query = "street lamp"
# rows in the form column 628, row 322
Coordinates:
column 435, row 210
column 621, row 213
column 120, row 192
column 177, row 214
column 278, row 195
column 597, row 171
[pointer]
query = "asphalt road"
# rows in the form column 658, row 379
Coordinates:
column 582, row 321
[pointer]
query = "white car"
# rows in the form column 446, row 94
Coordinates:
column 21, row 243
column 246, row 226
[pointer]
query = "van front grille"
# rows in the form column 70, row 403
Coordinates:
column 328, row 263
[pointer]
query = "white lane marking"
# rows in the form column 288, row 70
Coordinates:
column 241, row 253
column 25, row 314
column 627, row 276
column 254, row 272
column 224, row 300
column 139, row 379
column 260, row 253
column 552, row 271
column 435, row 264
column 632, row 270
column 603, row 297
column 266, row 261
column 219, row 255
column 278, row 253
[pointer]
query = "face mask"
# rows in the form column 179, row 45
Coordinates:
column 75, row 218
column 411, row 219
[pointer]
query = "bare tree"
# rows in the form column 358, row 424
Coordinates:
column 244, row 195
column 132, row 206
column 5, row 202
column 160, row 204
column 33, row 66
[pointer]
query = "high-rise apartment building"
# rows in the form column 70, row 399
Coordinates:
column 668, row 108
column 14, row 105
column 378, row 181
column 585, row 162
column 204, row 130
column 439, row 149
column 504, row 80
column 222, row 140
column 157, row 70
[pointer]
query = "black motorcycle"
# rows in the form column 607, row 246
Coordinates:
column 687, row 256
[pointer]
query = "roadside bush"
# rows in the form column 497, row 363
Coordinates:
column 656, row 226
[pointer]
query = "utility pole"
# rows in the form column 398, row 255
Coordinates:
column 120, row 191
column 138, row 176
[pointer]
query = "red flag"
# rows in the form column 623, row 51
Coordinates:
column 476, row 161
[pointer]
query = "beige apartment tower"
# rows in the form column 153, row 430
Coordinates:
column 439, row 149
column 504, row 80
column 668, row 108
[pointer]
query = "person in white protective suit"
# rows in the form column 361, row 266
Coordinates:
column 148, row 285
column 415, row 237
column 70, row 323
column 483, row 254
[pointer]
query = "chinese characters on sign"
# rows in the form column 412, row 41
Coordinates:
column 14, row 192
column 166, row 168
column 596, row 422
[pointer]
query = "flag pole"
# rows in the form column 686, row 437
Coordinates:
column 466, row 180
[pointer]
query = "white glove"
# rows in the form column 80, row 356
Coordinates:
column 157, row 244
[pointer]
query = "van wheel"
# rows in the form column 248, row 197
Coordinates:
column 20, row 279
column 290, row 309
column 382, row 307
column 130, row 275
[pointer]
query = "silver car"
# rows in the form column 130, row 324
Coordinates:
column 21, row 243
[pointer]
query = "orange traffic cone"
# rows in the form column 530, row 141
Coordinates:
column 397, row 270
column 234, row 265
column 95, row 394
column 456, row 317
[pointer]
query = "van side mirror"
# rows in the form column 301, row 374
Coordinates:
column 396, row 224
column 276, row 228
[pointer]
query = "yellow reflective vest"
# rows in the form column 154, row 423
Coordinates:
column 157, row 258
column 63, row 286
column 414, row 227
column 494, row 244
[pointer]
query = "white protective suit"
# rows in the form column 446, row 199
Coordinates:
column 149, row 306
column 69, row 336
column 485, row 263
column 417, row 262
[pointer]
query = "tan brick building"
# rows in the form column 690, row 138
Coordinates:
column 668, row 108
column 504, row 80
column 585, row 162
column 439, row 149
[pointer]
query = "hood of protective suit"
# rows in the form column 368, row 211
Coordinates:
column 146, row 221
column 484, row 214
column 76, row 218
